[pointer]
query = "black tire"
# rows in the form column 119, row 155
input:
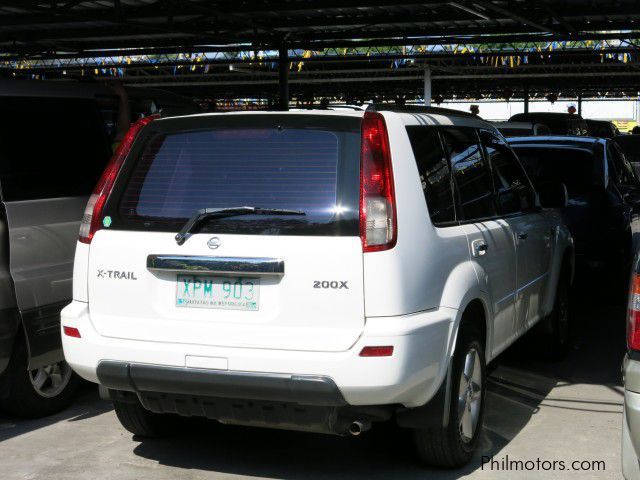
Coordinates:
column 143, row 423
column 23, row 399
column 448, row 446
column 555, row 332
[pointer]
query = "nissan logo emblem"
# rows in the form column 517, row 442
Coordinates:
column 213, row 243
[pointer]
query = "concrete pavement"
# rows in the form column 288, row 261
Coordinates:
column 563, row 412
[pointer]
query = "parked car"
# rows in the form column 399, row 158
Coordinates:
column 631, row 381
column 603, row 188
column 54, row 144
column 630, row 146
column 314, row 270
column 521, row 129
column 558, row 123
column 602, row 128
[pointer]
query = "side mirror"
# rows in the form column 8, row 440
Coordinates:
column 553, row 195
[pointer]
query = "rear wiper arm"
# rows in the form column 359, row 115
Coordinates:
column 207, row 213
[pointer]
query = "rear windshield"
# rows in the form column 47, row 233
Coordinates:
column 576, row 168
column 272, row 162
column 557, row 124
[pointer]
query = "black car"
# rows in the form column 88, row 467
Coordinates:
column 558, row 123
column 604, row 193
column 630, row 145
column 602, row 128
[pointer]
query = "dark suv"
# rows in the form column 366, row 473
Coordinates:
column 604, row 192
column 558, row 123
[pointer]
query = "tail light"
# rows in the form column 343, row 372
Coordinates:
column 633, row 314
column 378, row 226
column 93, row 211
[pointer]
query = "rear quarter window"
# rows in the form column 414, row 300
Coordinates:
column 268, row 162
column 435, row 173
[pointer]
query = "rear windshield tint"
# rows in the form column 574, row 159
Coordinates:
column 301, row 167
column 573, row 167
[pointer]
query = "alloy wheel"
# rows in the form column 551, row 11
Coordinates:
column 470, row 395
column 49, row 381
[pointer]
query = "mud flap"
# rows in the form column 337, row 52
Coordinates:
column 433, row 414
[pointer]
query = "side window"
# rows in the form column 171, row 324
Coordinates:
column 513, row 189
column 470, row 172
column 623, row 169
column 435, row 174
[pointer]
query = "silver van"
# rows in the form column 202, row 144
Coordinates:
column 55, row 139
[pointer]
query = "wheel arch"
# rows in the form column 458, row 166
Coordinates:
column 435, row 413
column 475, row 310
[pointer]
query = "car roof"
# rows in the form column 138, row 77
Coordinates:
column 627, row 139
column 557, row 141
column 509, row 124
column 547, row 115
column 419, row 115
column 339, row 113
column 603, row 122
column 410, row 115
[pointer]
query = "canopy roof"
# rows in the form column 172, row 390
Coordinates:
column 32, row 26
column 346, row 48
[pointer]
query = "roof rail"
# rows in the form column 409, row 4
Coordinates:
column 329, row 106
column 391, row 107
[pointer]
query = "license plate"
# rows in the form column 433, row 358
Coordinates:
column 228, row 293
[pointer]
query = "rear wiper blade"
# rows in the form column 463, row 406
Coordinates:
column 207, row 213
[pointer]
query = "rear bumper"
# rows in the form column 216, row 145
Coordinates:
column 410, row 377
column 300, row 389
column 631, row 419
column 631, row 436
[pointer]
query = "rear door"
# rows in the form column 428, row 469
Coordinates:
column 531, row 229
column 276, row 282
column 490, row 238
column 52, row 151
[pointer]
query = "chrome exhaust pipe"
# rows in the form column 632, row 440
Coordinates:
column 357, row 427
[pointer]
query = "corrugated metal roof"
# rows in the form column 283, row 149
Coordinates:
column 31, row 25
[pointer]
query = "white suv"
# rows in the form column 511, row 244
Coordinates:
column 314, row 270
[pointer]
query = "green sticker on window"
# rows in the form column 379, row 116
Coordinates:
column 106, row 221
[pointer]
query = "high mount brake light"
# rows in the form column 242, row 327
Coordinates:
column 378, row 226
column 633, row 314
column 93, row 211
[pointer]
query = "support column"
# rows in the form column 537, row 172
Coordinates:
column 580, row 105
column 283, row 76
column 427, row 87
column 526, row 99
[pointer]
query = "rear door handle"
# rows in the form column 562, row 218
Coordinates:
column 479, row 248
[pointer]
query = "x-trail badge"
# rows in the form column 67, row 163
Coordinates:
column 213, row 243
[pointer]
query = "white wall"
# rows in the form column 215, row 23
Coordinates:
column 595, row 109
